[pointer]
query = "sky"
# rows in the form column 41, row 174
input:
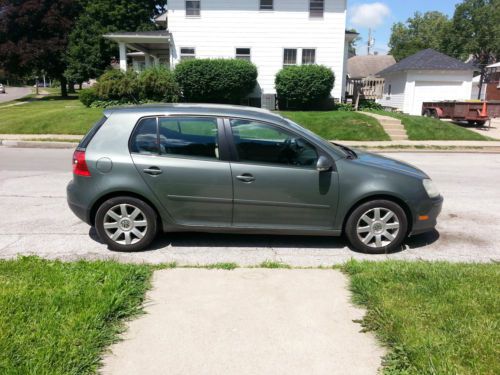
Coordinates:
column 380, row 15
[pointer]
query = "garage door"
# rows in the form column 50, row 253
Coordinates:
column 435, row 91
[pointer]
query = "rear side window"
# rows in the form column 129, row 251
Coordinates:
column 189, row 136
column 145, row 137
column 88, row 137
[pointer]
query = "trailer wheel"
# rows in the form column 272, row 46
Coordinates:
column 480, row 123
column 471, row 122
column 434, row 114
column 427, row 113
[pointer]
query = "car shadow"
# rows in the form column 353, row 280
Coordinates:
column 225, row 240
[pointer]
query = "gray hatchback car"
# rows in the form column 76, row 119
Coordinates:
column 216, row 168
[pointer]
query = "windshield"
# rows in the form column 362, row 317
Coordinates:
column 337, row 149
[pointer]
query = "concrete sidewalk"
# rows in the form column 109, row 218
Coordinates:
column 246, row 321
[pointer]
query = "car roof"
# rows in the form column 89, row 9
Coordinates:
column 198, row 109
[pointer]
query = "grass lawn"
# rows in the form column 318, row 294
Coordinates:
column 421, row 128
column 51, row 115
column 56, row 318
column 339, row 125
column 437, row 318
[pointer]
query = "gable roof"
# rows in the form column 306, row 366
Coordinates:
column 427, row 59
column 365, row 66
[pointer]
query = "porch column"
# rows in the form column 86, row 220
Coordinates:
column 147, row 60
column 123, row 56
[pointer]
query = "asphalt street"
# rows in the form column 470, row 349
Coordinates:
column 36, row 220
column 13, row 93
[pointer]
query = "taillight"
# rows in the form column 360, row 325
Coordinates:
column 79, row 164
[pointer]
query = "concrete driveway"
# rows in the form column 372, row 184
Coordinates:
column 13, row 93
column 246, row 321
column 35, row 219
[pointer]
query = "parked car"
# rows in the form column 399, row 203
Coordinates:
column 2, row 89
column 215, row 168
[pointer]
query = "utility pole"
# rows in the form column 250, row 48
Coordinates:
column 371, row 41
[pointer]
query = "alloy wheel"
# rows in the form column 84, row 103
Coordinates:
column 125, row 224
column 378, row 227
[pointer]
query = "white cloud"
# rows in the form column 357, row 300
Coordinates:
column 369, row 15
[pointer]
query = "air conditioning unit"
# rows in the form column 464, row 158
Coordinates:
column 268, row 101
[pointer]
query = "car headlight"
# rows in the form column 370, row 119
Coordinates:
column 430, row 188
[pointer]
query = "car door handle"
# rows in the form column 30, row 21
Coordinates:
column 153, row 171
column 246, row 177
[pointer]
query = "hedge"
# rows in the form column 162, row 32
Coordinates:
column 304, row 87
column 114, row 86
column 216, row 80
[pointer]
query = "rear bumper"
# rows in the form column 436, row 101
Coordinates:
column 74, row 198
column 431, row 209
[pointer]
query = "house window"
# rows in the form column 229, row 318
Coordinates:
column 308, row 56
column 316, row 8
column 188, row 53
column 290, row 56
column 193, row 8
column 266, row 5
column 243, row 53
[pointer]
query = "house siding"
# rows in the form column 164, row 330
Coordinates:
column 225, row 25
column 397, row 82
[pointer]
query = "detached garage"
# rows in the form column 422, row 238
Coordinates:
column 426, row 76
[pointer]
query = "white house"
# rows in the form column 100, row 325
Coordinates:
column 426, row 76
column 270, row 33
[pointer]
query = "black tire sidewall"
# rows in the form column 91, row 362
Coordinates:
column 352, row 236
column 151, row 218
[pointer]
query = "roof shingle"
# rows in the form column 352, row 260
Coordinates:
column 427, row 59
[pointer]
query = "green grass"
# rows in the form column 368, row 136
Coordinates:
column 51, row 115
column 421, row 128
column 57, row 318
column 437, row 318
column 340, row 125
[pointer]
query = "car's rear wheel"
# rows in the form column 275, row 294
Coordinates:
column 378, row 226
column 126, row 223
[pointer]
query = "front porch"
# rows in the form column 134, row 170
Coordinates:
column 147, row 48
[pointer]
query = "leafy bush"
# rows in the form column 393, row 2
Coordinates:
column 304, row 87
column 365, row 104
column 158, row 84
column 345, row 107
column 216, row 80
column 88, row 96
column 117, row 85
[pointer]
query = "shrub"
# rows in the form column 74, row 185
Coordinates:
column 304, row 87
column 345, row 107
column 117, row 85
column 158, row 84
column 88, row 96
column 216, row 80
column 365, row 104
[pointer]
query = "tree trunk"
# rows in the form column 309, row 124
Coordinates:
column 80, row 85
column 71, row 87
column 64, row 86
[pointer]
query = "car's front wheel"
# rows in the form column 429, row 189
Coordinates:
column 126, row 223
column 378, row 226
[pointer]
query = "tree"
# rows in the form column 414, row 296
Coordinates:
column 33, row 36
column 353, row 43
column 428, row 30
column 88, row 52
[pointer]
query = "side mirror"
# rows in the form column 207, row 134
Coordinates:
column 324, row 164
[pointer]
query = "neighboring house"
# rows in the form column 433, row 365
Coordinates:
column 426, row 76
column 270, row 33
column 359, row 67
column 493, row 82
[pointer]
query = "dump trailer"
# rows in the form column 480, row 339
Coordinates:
column 474, row 112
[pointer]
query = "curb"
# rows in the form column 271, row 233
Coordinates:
column 37, row 144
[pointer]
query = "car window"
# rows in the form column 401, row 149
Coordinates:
column 263, row 143
column 189, row 136
column 90, row 134
column 145, row 140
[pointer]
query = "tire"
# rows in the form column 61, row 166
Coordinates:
column 365, row 219
column 480, row 123
column 427, row 113
column 136, row 220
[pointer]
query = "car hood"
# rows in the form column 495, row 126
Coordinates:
column 379, row 161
